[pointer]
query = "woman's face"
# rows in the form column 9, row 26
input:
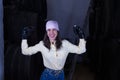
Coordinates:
column 52, row 34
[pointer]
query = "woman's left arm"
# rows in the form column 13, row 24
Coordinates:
column 71, row 48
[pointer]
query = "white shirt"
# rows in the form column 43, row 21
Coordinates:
column 54, row 59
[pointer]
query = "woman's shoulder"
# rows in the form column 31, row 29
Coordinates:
column 40, row 42
column 65, row 41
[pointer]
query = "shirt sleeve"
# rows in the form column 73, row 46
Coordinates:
column 71, row 48
column 29, row 50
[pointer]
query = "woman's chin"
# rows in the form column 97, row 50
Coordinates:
column 52, row 39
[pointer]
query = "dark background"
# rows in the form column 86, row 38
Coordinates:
column 1, row 43
column 99, row 19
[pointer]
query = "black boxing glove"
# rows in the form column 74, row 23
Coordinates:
column 26, row 32
column 78, row 31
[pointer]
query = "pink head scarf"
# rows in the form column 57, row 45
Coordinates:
column 52, row 25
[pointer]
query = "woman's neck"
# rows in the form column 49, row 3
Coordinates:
column 52, row 42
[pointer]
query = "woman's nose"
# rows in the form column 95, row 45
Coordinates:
column 51, row 31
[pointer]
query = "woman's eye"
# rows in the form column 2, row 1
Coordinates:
column 54, row 29
column 48, row 30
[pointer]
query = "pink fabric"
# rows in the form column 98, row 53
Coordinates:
column 52, row 25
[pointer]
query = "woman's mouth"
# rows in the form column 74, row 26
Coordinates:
column 52, row 36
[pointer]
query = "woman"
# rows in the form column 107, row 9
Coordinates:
column 54, row 51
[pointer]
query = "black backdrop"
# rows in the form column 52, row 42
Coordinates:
column 104, row 39
column 18, row 14
column 1, row 43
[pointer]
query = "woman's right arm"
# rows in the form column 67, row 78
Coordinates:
column 29, row 50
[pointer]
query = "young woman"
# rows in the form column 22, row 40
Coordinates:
column 54, row 51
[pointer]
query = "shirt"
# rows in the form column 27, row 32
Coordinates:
column 54, row 59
